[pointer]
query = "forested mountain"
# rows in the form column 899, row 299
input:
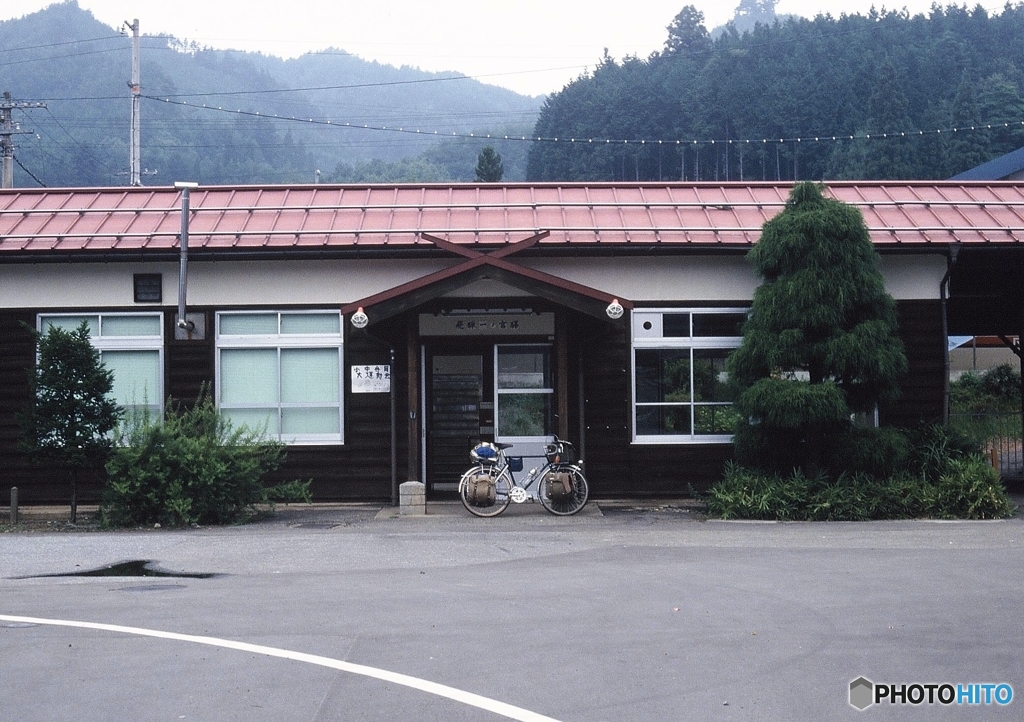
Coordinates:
column 781, row 101
column 80, row 68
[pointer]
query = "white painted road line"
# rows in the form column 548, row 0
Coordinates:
column 441, row 690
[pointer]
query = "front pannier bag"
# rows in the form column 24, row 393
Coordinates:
column 558, row 485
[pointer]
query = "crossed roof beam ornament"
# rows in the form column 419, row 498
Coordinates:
column 479, row 265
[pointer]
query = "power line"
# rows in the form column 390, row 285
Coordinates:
column 30, row 173
column 584, row 141
column 117, row 36
column 58, row 57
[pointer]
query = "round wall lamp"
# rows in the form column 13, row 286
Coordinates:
column 359, row 318
column 615, row 310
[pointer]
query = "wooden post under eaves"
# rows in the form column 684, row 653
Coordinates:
column 413, row 365
column 561, row 374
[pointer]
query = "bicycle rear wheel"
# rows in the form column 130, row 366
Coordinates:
column 483, row 505
column 566, row 505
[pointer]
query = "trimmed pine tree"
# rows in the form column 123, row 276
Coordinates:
column 820, row 343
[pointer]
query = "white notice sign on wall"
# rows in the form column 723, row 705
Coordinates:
column 375, row 379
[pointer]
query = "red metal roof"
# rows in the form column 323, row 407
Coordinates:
column 916, row 214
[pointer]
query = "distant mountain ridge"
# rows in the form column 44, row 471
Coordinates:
column 80, row 68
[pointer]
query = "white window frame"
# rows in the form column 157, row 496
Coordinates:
column 498, row 390
column 653, row 339
column 103, row 343
column 282, row 341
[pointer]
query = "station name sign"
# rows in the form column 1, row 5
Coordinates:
column 485, row 324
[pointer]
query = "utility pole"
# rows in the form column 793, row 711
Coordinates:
column 8, row 129
column 135, row 160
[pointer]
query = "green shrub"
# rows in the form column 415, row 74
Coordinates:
column 878, row 452
column 969, row 488
column 996, row 389
column 949, row 482
column 193, row 468
column 934, row 446
column 747, row 494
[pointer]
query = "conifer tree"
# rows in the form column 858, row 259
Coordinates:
column 72, row 415
column 821, row 340
column 489, row 168
column 967, row 149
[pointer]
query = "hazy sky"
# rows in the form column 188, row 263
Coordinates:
column 531, row 46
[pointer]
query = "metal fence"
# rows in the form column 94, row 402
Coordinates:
column 1001, row 433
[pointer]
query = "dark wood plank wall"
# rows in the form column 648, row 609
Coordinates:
column 37, row 483
column 614, row 466
column 358, row 470
column 361, row 468
column 920, row 327
column 188, row 363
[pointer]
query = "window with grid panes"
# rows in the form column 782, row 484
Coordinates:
column 131, row 346
column 281, row 372
column 681, row 392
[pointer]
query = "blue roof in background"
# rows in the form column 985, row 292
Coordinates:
column 996, row 169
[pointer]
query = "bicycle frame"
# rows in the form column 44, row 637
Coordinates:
column 531, row 483
column 489, row 486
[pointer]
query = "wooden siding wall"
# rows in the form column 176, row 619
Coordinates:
column 920, row 327
column 360, row 469
column 598, row 367
column 188, row 364
column 614, row 466
column 37, row 483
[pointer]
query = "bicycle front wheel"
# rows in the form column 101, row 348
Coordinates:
column 565, row 504
column 477, row 498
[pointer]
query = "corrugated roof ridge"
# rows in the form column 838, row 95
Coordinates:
column 952, row 230
column 650, row 217
column 707, row 216
column 590, row 208
column 59, row 236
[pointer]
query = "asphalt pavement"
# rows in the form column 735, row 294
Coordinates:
column 625, row 612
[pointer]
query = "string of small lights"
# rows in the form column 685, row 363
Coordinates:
column 602, row 141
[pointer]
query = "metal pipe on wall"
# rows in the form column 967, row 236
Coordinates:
column 185, row 189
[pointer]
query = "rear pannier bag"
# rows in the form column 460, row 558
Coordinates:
column 480, row 490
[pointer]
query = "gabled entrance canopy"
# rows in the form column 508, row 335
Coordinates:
column 494, row 266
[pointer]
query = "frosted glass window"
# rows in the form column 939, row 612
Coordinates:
column 282, row 371
column 248, row 324
column 131, row 347
column 309, row 375
column 300, row 421
column 71, row 323
column 130, row 326
column 248, row 376
column 310, row 323
column 260, row 420
column 136, row 376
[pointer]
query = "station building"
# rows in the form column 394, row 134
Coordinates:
column 381, row 330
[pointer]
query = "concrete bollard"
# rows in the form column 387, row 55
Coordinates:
column 14, row 505
column 412, row 499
